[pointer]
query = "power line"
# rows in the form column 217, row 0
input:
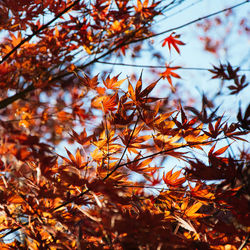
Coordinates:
column 156, row 66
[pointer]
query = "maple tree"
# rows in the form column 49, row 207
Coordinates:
column 114, row 185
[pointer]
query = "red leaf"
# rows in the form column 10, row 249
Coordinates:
column 172, row 40
column 168, row 73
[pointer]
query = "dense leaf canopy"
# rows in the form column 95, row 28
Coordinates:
column 140, row 170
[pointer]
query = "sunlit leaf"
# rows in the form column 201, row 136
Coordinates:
column 172, row 40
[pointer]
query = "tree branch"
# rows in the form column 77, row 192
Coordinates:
column 7, row 101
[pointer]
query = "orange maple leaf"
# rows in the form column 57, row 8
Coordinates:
column 168, row 73
column 171, row 178
column 113, row 83
column 109, row 103
column 172, row 40
column 191, row 212
column 87, row 81
column 106, row 102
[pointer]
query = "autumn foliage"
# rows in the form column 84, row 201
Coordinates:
column 92, row 158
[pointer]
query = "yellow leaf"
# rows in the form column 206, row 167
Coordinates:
column 87, row 49
column 191, row 211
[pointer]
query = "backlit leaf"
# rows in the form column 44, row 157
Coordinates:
column 172, row 40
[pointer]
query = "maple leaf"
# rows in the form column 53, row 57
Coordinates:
column 203, row 114
column 140, row 167
column 106, row 103
column 225, row 72
column 184, row 126
column 219, row 72
column 120, row 117
column 230, row 132
column 172, row 40
column 193, row 137
column 87, row 81
column 136, row 141
column 238, row 85
column 138, row 96
column 215, row 130
column 16, row 40
column 154, row 180
column 171, row 178
column 113, row 83
column 82, row 139
column 202, row 192
column 74, row 161
column 214, row 156
column 109, row 103
column 244, row 121
column 168, row 73
column 191, row 211
column 145, row 10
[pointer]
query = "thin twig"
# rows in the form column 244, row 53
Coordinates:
column 119, row 162
column 169, row 150
column 244, row 243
